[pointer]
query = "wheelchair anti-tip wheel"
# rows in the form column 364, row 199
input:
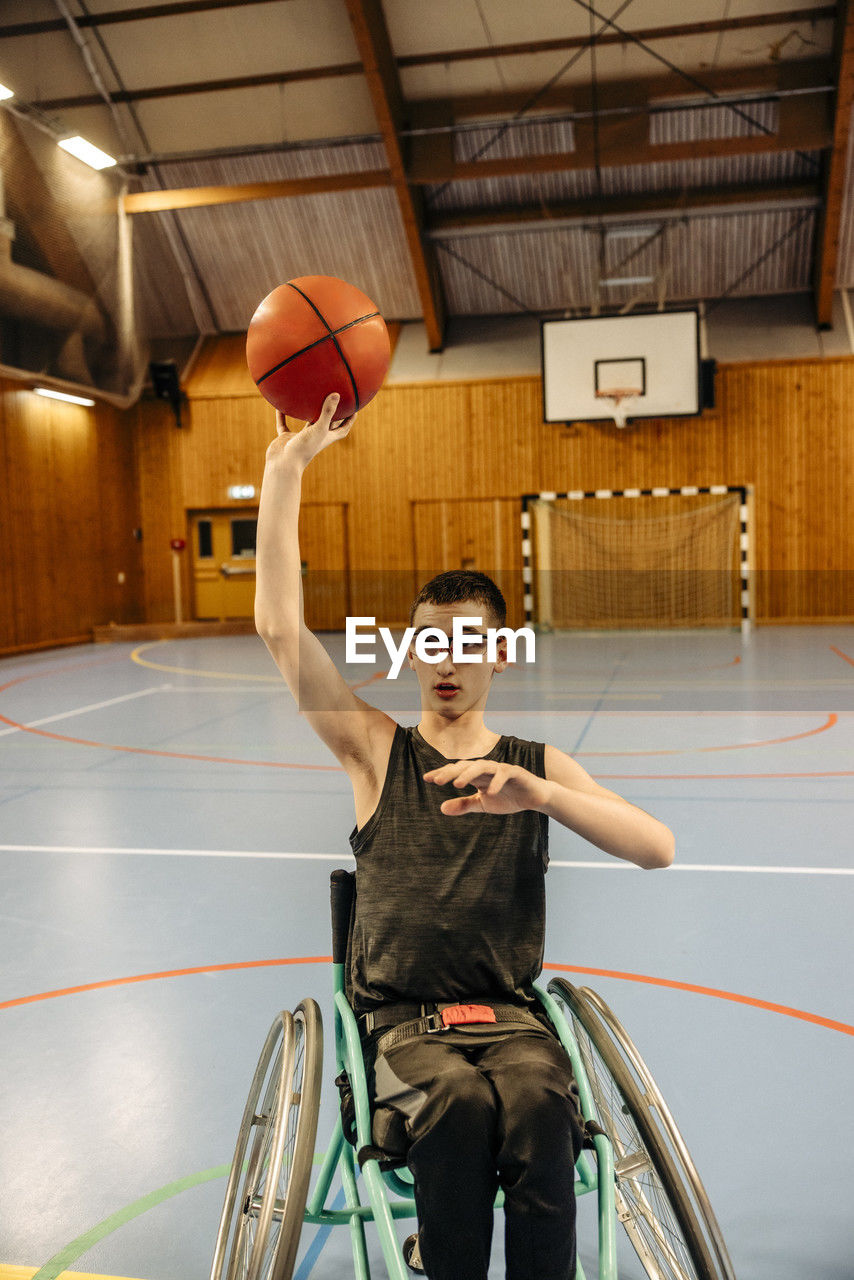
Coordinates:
column 660, row 1199
column 265, row 1196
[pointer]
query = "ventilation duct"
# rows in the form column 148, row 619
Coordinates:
column 31, row 295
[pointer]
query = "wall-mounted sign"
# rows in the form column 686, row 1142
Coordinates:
column 241, row 491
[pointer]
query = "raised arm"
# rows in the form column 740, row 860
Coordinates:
column 353, row 730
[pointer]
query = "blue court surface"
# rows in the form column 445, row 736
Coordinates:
column 168, row 828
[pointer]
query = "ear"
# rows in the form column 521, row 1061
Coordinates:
column 501, row 662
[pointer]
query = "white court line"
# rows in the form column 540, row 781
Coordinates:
column 79, row 711
column 616, row 865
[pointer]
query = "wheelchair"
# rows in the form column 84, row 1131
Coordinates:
column 635, row 1161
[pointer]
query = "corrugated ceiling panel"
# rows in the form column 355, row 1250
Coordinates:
column 622, row 180
column 163, row 308
column 305, row 162
column 557, row 270
column 845, row 263
column 244, row 250
column 689, row 124
column 532, row 137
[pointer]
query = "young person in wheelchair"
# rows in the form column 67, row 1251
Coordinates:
column 469, row 1085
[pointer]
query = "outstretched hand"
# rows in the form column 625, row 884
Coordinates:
column 500, row 788
column 314, row 437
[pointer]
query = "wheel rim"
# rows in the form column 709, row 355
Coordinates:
column 643, row 1203
column 261, row 1223
column 247, row 1214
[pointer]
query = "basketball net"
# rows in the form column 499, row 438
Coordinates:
column 622, row 398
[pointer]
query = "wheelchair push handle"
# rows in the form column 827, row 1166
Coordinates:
column 342, row 892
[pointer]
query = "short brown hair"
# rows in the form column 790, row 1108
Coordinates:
column 458, row 586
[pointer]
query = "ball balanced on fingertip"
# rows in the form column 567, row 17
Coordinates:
column 312, row 336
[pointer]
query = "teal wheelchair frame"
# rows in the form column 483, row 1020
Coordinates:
column 636, row 1162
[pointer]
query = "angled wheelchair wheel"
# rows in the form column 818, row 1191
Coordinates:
column 660, row 1198
column 268, row 1185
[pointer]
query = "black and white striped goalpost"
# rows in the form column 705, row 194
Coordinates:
column 687, row 491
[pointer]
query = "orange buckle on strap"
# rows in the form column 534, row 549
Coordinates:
column 456, row 1014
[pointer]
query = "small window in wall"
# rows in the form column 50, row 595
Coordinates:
column 243, row 539
column 205, row 529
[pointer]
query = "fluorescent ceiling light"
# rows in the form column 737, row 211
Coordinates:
column 85, row 151
column 6, row 93
column 629, row 280
column 629, row 233
column 62, row 395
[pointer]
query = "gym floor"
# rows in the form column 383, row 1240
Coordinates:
column 168, row 829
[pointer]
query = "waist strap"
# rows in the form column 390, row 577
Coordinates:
column 406, row 1020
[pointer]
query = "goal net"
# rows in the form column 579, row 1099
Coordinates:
column 652, row 558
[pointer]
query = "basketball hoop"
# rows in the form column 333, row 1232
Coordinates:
column 621, row 398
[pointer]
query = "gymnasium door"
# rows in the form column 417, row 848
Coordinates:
column 223, row 544
column 482, row 533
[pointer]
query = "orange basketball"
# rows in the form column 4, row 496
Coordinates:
column 312, row 336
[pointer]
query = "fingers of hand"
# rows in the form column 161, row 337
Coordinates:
column 498, row 781
column 478, row 774
column 282, row 427
column 461, row 804
column 327, row 413
column 462, row 773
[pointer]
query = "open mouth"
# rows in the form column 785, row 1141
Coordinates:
column 445, row 690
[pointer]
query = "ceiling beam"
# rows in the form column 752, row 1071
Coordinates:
column 709, row 200
column 372, row 40
column 827, row 239
column 43, row 26
column 684, row 30
column 785, row 17
column 798, row 73
column 803, row 126
column 240, row 193
column 189, row 87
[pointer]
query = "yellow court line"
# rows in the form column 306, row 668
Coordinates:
column 191, row 671
column 9, row 1272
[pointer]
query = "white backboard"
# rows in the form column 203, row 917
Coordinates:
column 657, row 354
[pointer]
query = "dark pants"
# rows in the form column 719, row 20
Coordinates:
column 473, row 1112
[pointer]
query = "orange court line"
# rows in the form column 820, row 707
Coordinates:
column 710, row 991
column 843, row 656
column 170, row 755
column 719, row 777
column 729, row 746
column 73, row 666
column 561, row 968
column 333, row 768
column 166, row 973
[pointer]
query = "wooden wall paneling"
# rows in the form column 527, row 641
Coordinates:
column 30, row 502
column 162, row 509
column 466, row 533
column 119, row 552
column 782, row 426
column 8, row 569
column 220, row 370
column 324, row 553
column 68, row 471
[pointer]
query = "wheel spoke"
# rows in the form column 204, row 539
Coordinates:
column 261, row 1224
column 669, row 1225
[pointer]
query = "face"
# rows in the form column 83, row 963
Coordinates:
column 450, row 688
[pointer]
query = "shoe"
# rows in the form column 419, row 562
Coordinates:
column 412, row 1255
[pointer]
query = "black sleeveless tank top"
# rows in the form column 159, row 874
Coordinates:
column 447, row 908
